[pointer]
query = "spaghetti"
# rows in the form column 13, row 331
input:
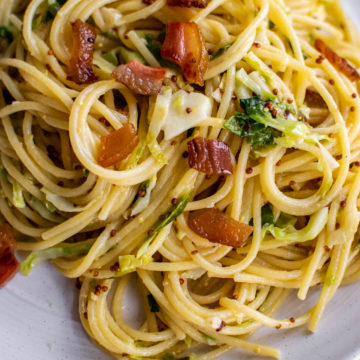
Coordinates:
column 277, row 98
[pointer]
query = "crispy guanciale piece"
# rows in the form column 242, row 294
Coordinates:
column 314, row 99
column 8, row 262
column 188, row 3
column 117, row 145
column 80, row 67
column 220, row 228
column 339, row 63
column 144, row 80
column 209, row 156
column 184, row 44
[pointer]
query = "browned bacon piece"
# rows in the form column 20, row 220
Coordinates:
column 8, row 262
column 220, row 228
column 144, row 80
column 117, row 145
column 80, row 66
column 339, row 63
column 188, row 3
column 184, row 44
column 209, row 156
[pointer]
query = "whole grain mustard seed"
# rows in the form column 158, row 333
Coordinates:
column 320, row 59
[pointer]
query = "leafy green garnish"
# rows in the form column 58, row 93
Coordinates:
column 37, row 20
column 135, row 156
column 274, row 115
column 243, row 79
column 127, row 55
column 154, row 45
column 220, row 51
column 53, row 9
column 290, row 45
column 3, row 174
column 111, row 34
column 45, row 208
column 158, row 117
column 267, row 216
column 17, row 191
column 168, row 217
column 18, row 197
column 251, row 103
column 168, row 356
column 76, row 249
column 289, row 234
column 286, row 220
column 50, row 206
column 190, row 132
column 8, row 32
column 210, row 340
column 124, row 54
column 112, row 56
column 143, row 187
column 129, row 263
column 47, row 14
column 5, row 33
column 143, row 195
column 258, row 135
column 155, row 149
column 154, row 306
column 243, row 125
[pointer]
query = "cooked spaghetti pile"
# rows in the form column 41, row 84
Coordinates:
column 207, row 152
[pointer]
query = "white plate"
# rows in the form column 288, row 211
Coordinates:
column 39, row 319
